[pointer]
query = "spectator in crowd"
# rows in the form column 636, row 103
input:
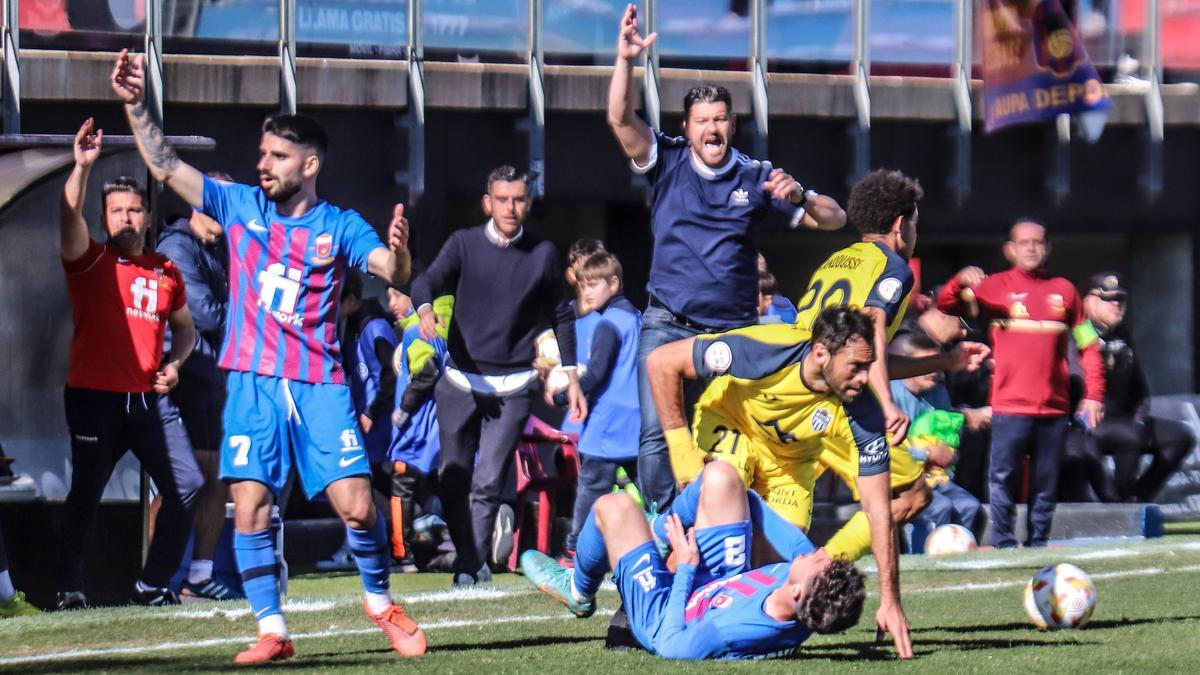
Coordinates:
column 780, row 309
column 505, row 282
column 916, row 396
column 122, row 298
column 609, row 438
column 1032, row 315
column 767, row 288
column 415, row 449
column 197, row 247
column 287, row 406
column 369, row 343
column 1128, row 430
column 708, row 200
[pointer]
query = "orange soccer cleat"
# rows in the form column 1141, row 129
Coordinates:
column 406, row 637
column 270, row 647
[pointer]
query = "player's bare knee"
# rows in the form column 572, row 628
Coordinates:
column 721, row 481
column 360, row 516
column 613, row 508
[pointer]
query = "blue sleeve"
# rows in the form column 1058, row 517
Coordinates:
column 938, row 397
column 441, row 276
column 358, row 239
column 606, row 345
column 675, row 640
column 221, row 198
column 891, row 287
column 207, row 313
column 740, row 355
column 905, row 400
column 782, row 308
column 867, row 430
column 668, row 150
column 787, row 539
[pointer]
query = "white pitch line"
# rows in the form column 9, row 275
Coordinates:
column 217, row 642
column 992, row 585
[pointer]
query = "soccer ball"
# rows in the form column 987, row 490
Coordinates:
column 1060, row 596
column 949, row 539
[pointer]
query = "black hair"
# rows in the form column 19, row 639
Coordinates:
column 584, row 248
column 837, row 325
column 881, row 196
column 707, row 93
column 505, row 174
column 834, row 601
column 908, row 344
column 127, row 184
column 299, row 129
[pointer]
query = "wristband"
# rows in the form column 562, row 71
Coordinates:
column 687, row 461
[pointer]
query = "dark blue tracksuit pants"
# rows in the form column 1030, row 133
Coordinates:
column 1013, row 437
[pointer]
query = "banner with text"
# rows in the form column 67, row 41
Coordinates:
column 1034, row 65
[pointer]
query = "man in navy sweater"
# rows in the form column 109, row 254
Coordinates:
column 708, row 200
column 506, row 282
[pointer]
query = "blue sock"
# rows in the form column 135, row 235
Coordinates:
column 370, row 549
column 686, row 505
column 255, row 553
column 591, row 558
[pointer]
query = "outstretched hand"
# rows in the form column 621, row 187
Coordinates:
column 128, row 77
column 630, row 44
column 87, row 143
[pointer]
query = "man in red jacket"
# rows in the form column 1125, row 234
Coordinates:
column 1032, row 314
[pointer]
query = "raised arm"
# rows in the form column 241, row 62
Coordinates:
column 128, row 80
column 73, row 231
column 632, row 132
column 897, row 421
column 393, row 262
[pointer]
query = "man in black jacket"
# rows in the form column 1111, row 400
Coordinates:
column 507, row 283
column 1128, row 430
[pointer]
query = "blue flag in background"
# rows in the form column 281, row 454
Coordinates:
column 1034, row 65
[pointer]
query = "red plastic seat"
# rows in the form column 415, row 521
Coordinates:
column 532, row 477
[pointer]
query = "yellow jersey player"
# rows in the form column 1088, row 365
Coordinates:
column 779, row 393
column 874, row 274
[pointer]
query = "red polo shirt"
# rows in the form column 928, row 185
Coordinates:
column 1033, row 316
column 120, row 306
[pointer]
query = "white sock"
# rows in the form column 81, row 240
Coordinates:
column 378, row 602
column 273, row 624
column 6, row 587
column 579, row 597
column 200, row 570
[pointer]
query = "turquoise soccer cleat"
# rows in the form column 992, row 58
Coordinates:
column 554, row 580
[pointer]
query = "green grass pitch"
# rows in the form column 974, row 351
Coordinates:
column 965, row 612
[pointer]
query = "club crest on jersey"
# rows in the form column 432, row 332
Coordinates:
column 324, row 252
column 1018, row 310
column 718, row 357
column 1056, row 303
column 821, row 419
column 739, row 197
column 722, row 601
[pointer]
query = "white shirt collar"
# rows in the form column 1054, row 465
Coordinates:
column 707, row 172
column 496, row 237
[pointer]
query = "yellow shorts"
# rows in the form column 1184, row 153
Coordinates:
column 839, row 457
column 786, row 484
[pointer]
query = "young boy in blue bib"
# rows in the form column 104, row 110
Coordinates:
column 607, row 345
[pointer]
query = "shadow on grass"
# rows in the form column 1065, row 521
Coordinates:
column 1103, row 624
column 543, row 641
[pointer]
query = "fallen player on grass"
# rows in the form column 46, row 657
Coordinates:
column 713, row 606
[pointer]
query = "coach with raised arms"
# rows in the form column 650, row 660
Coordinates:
column 708, row 200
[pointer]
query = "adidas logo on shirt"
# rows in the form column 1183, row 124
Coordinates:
column 739, row 197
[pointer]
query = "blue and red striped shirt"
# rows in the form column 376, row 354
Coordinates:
column 285, row 277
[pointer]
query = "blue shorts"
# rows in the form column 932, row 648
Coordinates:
column 271, row 423
column 644, row 582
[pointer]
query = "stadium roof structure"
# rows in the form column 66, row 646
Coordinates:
column 28, row 159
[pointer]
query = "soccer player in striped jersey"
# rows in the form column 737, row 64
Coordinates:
column 288, row 403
